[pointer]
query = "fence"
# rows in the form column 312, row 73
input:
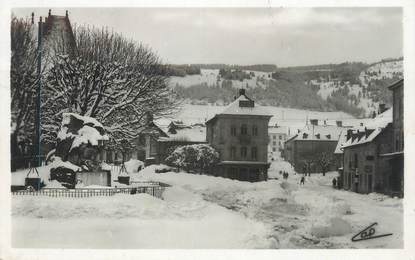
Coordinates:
column 155, row 191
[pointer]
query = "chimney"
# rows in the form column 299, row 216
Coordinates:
column 382, row 108
column 361, row 124
column 314, row 121
column 33, row 18
column 149, row 118
column 339, row 123
column 349, row 134
column 325, row 122
column 50, row 12
column 241, row 91
column 66, row 14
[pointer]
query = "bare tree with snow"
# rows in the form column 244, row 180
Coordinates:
column 109, row 78
column 23, row 82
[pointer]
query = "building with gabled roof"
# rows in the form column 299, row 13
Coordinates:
column 304, row 149
column 365, row 170
column 240, row 134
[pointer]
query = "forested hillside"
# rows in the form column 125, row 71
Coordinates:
column 353, row 87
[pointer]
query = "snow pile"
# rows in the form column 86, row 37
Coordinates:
column 182, row 220
column 87, row 135
column 58, row 163
column 337, row 227
column 133, row 165
column 91, row 132
column 280, row 165
column 55, row 184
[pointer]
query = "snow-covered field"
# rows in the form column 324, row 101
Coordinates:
column 210, row 78
column 192, row 114
column 201, row 211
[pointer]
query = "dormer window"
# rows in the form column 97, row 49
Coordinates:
column 246, row 103
column 318, row 136
column 305, row 136
column 328, row 136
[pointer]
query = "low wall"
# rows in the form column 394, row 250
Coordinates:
column 101, row 178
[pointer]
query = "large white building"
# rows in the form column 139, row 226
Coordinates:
column 277, row 136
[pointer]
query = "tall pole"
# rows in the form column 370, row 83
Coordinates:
column 39, row 86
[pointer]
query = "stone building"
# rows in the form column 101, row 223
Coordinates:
column 240, row 134
column 304, row 150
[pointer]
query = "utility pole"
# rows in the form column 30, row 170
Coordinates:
column 38, row 90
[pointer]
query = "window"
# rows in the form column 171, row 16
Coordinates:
column 355, row 160
column 254, row 130
column 274, row 137
column 244, row 130
column 233, row 130
column 274, row 143
column 233, row 152
column 243, row 152
column 254, row 154
column 280, row 137
column 274, row 149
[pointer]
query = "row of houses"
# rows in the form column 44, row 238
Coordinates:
column 369, row 156
column 373, row 156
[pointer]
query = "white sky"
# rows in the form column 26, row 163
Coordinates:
column 281, row 36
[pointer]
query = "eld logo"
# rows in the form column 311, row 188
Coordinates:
column 368, row 233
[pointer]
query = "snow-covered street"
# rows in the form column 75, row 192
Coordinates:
column 201, row 211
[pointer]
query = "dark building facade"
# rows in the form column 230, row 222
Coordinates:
column 240, row 135
column 304, row 150
column 395, row 157
column 365, row 169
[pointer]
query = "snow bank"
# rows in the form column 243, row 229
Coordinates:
column 132, row 165
column 337, row 227
column 182, row 220
column 55, row 184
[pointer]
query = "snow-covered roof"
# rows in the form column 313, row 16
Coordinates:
column 363, row 138
column 319, row 133
column 237, row 107
column 342, row 140
column 191, row 134
column 278, row 130
column 368, row 132
column 243, row 162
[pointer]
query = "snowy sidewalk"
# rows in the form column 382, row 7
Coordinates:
column 201, row 211
column 181, row 220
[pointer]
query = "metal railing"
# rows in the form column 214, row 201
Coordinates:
column 155, row 191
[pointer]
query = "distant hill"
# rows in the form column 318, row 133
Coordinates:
column 353, row 87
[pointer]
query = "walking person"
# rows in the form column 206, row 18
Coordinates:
column 334, row 181
column 302, row 180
